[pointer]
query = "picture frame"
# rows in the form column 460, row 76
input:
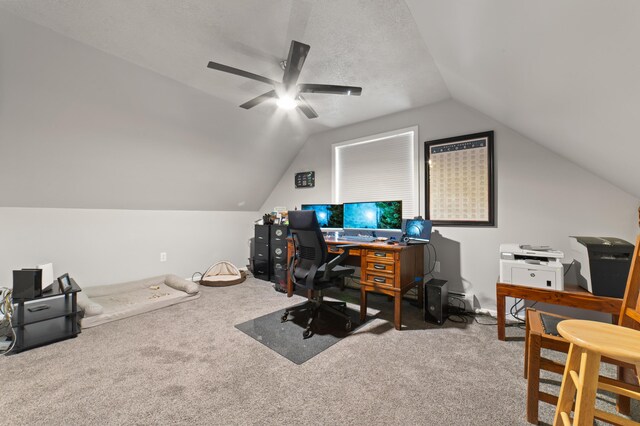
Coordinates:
column 64, row 283
column 459, row 180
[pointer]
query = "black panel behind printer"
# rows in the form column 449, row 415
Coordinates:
column 602, row 264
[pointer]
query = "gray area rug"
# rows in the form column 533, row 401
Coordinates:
column 286, row 337
column 188, row 364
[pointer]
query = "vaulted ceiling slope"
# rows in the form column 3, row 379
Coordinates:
column 563, row 73
column 80, row 128
column 375, row 45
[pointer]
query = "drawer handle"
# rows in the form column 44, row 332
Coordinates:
column 380, row 254
column 376, row 266
column 259, row 254
column 379, row 280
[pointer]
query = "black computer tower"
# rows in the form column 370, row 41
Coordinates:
column 436, row 295
column 27, row 284
column 278, row 245
column 262, row 253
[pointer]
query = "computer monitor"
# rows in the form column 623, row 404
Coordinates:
column 329, row 215
column 373, row 215
column 417, row 229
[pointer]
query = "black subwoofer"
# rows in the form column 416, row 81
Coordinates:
column 27, row 284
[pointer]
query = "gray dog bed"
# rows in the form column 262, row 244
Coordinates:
column 112, row 302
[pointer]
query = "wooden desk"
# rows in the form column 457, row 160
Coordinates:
column 573, row 296
column 385, row 268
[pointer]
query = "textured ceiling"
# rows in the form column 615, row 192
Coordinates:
column 375, row 45
column 563, row 73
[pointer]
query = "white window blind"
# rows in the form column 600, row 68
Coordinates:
column 378, row 168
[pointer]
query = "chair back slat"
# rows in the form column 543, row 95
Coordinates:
column 309, row 243
column 630, row 312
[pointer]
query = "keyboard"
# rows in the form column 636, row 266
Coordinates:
column 359, row 238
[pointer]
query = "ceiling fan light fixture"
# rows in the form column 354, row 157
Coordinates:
column 287, row 103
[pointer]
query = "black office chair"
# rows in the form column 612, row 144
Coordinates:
column 310, row 269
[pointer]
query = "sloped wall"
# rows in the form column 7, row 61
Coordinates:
column 103, row 164
column 542, row 198
column 83, row 129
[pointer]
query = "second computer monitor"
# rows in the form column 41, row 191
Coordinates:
column 417, row 229
column 373, row 215
column 329, row 215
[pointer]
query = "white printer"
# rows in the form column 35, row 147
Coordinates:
column 532, row 266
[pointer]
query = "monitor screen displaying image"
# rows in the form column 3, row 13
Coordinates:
column 373, row 215
column 329, row 215
column 418, row 229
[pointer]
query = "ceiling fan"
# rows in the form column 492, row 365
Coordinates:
column 288, row 93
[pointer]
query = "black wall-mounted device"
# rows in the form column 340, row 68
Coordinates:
column 305, row 180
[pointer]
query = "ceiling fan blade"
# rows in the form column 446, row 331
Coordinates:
column 330, row 89
column 297, row 54
column 304, row 106
column 258, row 100
column 241, row 73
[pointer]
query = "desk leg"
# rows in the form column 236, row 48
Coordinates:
column 500, row 302
column 289, row 285
column 397, row 310
column 363, row 304
column 420, row 294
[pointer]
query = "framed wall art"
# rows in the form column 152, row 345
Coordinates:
column 459, row 180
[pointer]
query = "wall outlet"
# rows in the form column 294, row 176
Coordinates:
column 436, row 267
column 163, row 257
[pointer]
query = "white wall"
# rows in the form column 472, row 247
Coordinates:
column 110, row 246
column 542, row 198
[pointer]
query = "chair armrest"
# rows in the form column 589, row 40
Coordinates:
column 338, row 260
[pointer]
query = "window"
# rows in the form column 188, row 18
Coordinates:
column 377, row 168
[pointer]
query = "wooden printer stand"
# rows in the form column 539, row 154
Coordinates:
column 390, row 269
column 573, row 296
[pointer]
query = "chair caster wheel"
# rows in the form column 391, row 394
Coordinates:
column 284, row 317
column 348, row 326
column 306, row 333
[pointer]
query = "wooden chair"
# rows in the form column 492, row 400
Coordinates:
column 590, row 341
column 536, row 339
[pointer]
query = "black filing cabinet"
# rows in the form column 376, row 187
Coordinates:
column 262, row 254
column 278, row 244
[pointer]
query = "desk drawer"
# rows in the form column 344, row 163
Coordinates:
column 378, row 267
column 380, row 256
column 335, row 250
column 378, row 279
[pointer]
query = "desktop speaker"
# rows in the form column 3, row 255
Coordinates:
column 436, row 295
column 27, row 284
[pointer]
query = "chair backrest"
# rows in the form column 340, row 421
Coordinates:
column 309, row 245
column 630, row 312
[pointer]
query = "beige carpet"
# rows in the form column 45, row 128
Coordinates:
column 188, row 364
